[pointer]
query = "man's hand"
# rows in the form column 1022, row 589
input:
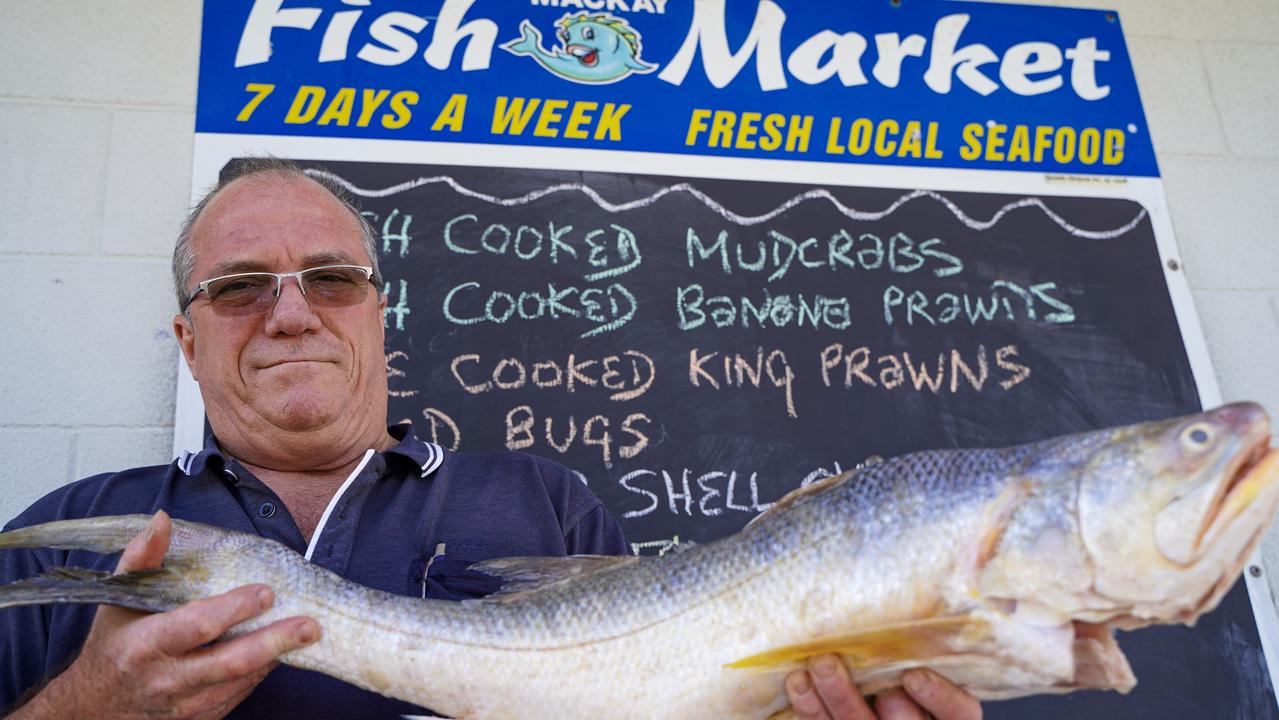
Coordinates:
column 135, row 665
column 825, row 692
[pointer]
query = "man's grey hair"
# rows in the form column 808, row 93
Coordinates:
column 184, row 250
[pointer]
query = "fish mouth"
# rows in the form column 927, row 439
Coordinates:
column 1253, row 471
column 588, row 56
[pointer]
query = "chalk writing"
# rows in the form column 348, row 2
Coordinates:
column 613, row 251
column 1003, row 301
column 441, row 429
column 609, row 308
column 395, row 372
column 399, row 309
column 889, row 371
column 655, row 547
column 765, row 310
column 742, row 371
column 627, row 375
column 842, row 250
column 595, row 432
column 706, row 494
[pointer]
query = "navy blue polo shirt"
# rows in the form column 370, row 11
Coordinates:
column 409, row 520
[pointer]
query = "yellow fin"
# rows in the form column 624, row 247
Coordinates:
column 917, row 640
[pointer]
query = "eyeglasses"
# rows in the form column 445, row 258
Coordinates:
column 253, row 293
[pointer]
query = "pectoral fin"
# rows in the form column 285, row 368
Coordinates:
column 912, row 642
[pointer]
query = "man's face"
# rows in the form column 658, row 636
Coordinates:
column 293, row 368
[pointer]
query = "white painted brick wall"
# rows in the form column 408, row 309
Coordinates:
column 96, row 111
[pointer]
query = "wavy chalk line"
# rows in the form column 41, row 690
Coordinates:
column 743, row 220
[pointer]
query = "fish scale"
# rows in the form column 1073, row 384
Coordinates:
column 1002, row 569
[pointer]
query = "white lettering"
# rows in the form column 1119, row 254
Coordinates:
column 1025, row 59
column 721, row 65
column 1083, row 69
column 255, row 41
column 845, row 58
column 449, row 31
column 964, row 63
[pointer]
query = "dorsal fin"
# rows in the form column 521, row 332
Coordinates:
column 799, row 493
column 523, row 575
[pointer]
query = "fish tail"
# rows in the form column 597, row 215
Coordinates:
column 96, row 534
column 528, row 42
column 150, row 590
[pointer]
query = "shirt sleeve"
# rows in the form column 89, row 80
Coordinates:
column 596, row 533
column 24, row 632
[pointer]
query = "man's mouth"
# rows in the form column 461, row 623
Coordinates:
column 589, row 57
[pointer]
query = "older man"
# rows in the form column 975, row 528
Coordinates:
column 281, row 324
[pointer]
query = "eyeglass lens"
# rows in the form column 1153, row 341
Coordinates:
column 249, row 293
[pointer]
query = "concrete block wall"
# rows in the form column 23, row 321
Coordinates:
column 96, row 120
column 97, row 112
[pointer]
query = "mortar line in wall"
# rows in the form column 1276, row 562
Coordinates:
column 1216, row 106
column 148, row 259
column 95, row 104
column 55, row 426
column 106, row 183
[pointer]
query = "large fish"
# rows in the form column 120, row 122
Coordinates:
column 1005, row 570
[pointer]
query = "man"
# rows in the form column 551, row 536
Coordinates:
column 282, row 331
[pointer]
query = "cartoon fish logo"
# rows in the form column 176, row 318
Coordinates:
column 594, row 49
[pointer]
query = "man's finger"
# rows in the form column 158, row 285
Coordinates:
column 803, row 697
column 941, row 697
column 250, row 656
column 146, row 551
column 895, row 704
column 200, row 622
column 836, row 689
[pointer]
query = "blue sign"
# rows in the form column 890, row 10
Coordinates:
column 926, row 83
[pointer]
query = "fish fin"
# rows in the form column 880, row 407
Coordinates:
column 528, row 43
column 885, row 645
column 97, row 534
column 800, row 493
column 522, row 575
column 150, row 590
column 639, row 67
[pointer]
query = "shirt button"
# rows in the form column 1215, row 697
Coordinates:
column 267, row 510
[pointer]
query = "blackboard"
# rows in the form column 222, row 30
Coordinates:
column 696, row 348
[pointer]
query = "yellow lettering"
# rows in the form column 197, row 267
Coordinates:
column 883, row 146
column 452, row 115
column 372, row 100
column 832, row 138
column 511, row 115
column 1019, row 146
column 260, row 90
column 611, row 121
column 772, row 132
column 912, row 141
column 305, row 105
column 339, row 110
column 797, row 135
column 930, row 151
column 550, row 114
column 1114, row 147
column 995, row 141
column 696, row 125
column 400, row 104
column 971, row 134
column 580, row 115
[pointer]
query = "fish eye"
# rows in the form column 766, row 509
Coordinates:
column 588, row 33
column 1196, row 436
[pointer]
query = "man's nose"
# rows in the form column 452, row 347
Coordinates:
column 292, row 313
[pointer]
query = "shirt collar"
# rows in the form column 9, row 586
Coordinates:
column 425, row 455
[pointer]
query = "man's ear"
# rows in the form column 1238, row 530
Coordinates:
column 184, row 331
column 382, row 301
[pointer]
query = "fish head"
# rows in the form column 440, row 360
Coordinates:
column 1169, row 511
column 603, row 47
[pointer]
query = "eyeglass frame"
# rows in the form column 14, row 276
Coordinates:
column 203, row 285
